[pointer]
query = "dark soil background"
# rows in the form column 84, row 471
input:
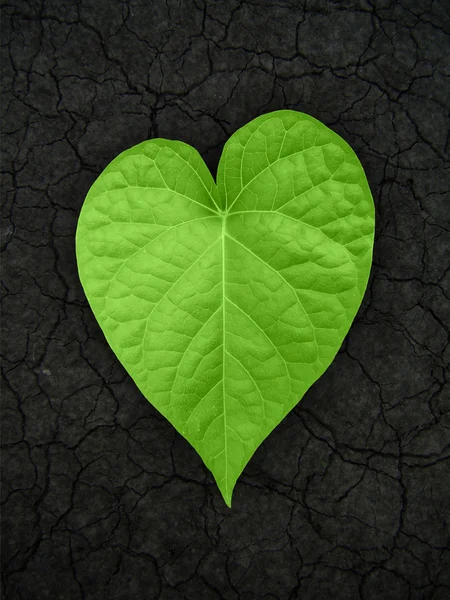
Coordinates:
column 349, row 497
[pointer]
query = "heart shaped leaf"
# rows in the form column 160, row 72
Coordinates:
column 226, row 303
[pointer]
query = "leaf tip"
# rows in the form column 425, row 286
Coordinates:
column 227, row 494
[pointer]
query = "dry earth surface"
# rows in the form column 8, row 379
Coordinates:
column 349, row 497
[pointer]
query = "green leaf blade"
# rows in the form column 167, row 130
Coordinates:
column 224, row 317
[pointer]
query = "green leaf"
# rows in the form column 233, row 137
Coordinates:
column 226, row 303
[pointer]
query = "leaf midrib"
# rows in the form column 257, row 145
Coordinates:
column 223, row 233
